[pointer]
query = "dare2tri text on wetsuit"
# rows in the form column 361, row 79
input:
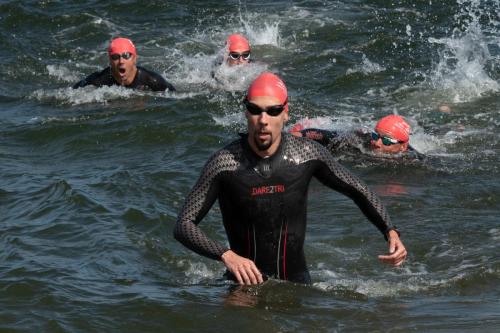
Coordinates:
column 263, row 203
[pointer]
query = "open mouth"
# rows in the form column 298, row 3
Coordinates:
column 122, row 70
column 263, row 135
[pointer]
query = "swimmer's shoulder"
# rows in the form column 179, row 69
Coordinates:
column 302, row 149
column 98, row 79
column 153, row 80
column 415, row 154
column 227, row 158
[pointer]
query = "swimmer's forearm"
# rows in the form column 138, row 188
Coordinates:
column 192, row 237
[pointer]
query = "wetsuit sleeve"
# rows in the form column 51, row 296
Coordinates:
column 156, row 82
column 98, row 79
column 324, row 137
column 335, row 176
column 81, row 84
column 85, row 82
column 197, row 204
column 160, row 84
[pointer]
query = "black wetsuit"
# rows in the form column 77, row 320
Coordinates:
column 144, row 80
column 264, row 203
column 353, row 142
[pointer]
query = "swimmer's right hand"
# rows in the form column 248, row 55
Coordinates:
column 244, row 269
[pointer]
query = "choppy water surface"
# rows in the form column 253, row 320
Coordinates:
column 92, row 179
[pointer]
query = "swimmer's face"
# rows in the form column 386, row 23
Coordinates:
column 123, row 69
column 264, row 131
column 379, row 147
column 238, row 56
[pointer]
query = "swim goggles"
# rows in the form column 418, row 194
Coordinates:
column 124, row 55
column 236, row 55
column 386, row 141
column 273, row 110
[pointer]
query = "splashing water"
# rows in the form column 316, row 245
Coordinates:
column 464, row 57
column 62, row 73
column 261, row 33
column 268, row 35
column 237, row 78
column 85, row 95
column 366, row 67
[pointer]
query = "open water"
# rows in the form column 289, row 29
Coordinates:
column 92, row 179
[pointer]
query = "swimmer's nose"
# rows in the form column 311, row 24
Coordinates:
column 376, row 143
column 264, row 118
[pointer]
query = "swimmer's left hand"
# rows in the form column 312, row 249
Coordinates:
column 397, row 251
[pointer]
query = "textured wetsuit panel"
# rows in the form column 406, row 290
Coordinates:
column 200, row 200
column 335, row 176
column 144, row 80
column 264, row 203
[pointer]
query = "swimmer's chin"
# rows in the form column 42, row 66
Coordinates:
column 381, row 153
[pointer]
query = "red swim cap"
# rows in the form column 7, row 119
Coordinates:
column 395, row 126
column 237, row 43
column 268, row 84
column 121, row 45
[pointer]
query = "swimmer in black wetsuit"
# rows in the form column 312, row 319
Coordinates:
column 261, row 182
column 389, row 137
column 122, row 71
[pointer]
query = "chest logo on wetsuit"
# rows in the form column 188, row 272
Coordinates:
column 271, row 189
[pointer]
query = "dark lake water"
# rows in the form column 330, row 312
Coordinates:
column 92, row 179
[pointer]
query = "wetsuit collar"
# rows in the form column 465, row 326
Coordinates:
column 246, row 145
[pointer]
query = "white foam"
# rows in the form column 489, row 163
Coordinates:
column 62, row 73
column 366, row 67
column 495, row 234
column 198, row 272
column 232, row 120
column 462, row 70
column 268, row 34
column 204, row 68
column 316, row 122
column 237, row 78
column 85, row 95
column 426, row 143
column 394, row 284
